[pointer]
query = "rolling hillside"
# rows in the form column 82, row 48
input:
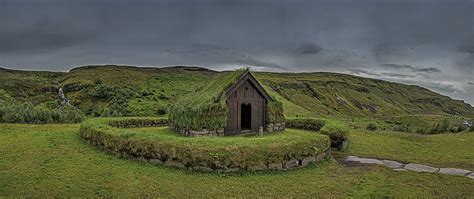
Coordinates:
column 125, row 90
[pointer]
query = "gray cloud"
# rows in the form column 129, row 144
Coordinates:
column 398, row 75
column 395, row 40
column 413, row 68
column 308, row 48
column 470, row 83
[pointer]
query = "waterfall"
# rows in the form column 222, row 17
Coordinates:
column 64, row 100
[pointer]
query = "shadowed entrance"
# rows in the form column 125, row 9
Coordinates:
column 246, row 116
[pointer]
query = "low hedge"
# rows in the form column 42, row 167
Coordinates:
column 339, row 135
column 138, row 122
column 305, row 124
column 216, row 153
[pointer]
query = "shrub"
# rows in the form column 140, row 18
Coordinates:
column 27, row 113
column 101, row 91
column 338, row 135
column 471, row 129
column 372, row 127
column 441, row 127
column 402, row 128
column 306, row 124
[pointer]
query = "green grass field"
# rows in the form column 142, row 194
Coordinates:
column 53, row 161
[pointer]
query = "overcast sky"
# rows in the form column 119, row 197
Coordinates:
column 428, row 43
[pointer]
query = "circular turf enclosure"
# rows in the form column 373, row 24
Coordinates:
column 274, row 151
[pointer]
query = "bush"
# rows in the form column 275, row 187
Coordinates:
column 27, row 113
column 217, row 153
column 441, row 127
column 372, row 127
column 471, row 129
column 338, row 135
column 402, row 128
column 306, row 124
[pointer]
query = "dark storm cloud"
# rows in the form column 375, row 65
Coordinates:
column 308, row 48
column 413, row 68
column 429, row 41
column 427, row 70
column 398, row 66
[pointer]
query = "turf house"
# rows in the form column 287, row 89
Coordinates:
column 229, row 103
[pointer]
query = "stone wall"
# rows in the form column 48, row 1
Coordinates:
column 275, row 127
column 271, row 127
column 284, row 165
column 193, row 133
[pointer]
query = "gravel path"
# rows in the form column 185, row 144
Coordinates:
column 397, row 166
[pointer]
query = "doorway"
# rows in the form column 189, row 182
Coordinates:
column 245, row 116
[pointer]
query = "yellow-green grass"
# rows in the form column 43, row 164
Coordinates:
column 53, row 161
column 441, row 150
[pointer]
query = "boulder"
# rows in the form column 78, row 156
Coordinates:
column 453, row 171
column 421, row 168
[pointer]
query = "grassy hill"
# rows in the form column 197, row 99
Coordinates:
column 124, row 90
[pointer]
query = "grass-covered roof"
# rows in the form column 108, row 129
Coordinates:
column 214, row 90
column 206, row 108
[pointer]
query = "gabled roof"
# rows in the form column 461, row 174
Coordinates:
column 219, row 87
column 247, row 76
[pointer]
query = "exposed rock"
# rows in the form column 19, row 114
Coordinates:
column 140, row 158
column 275, row 166
column 172, row 163
column 156, row 161
column 308, row 160
column 233, row 169
column 353, row 158
column 454, row 171
column 343, row 145
column 320, row 157
column 471, row 176
column 202, row 169
column 259, row 167
column 291, row 164
column 421, row 168
column 392, row 164
column 370, row 161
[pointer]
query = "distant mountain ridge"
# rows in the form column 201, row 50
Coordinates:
column 108, row 90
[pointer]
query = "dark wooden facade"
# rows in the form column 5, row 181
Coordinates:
column 246, row 101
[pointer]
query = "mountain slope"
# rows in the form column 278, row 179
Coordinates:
column 124, row 90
